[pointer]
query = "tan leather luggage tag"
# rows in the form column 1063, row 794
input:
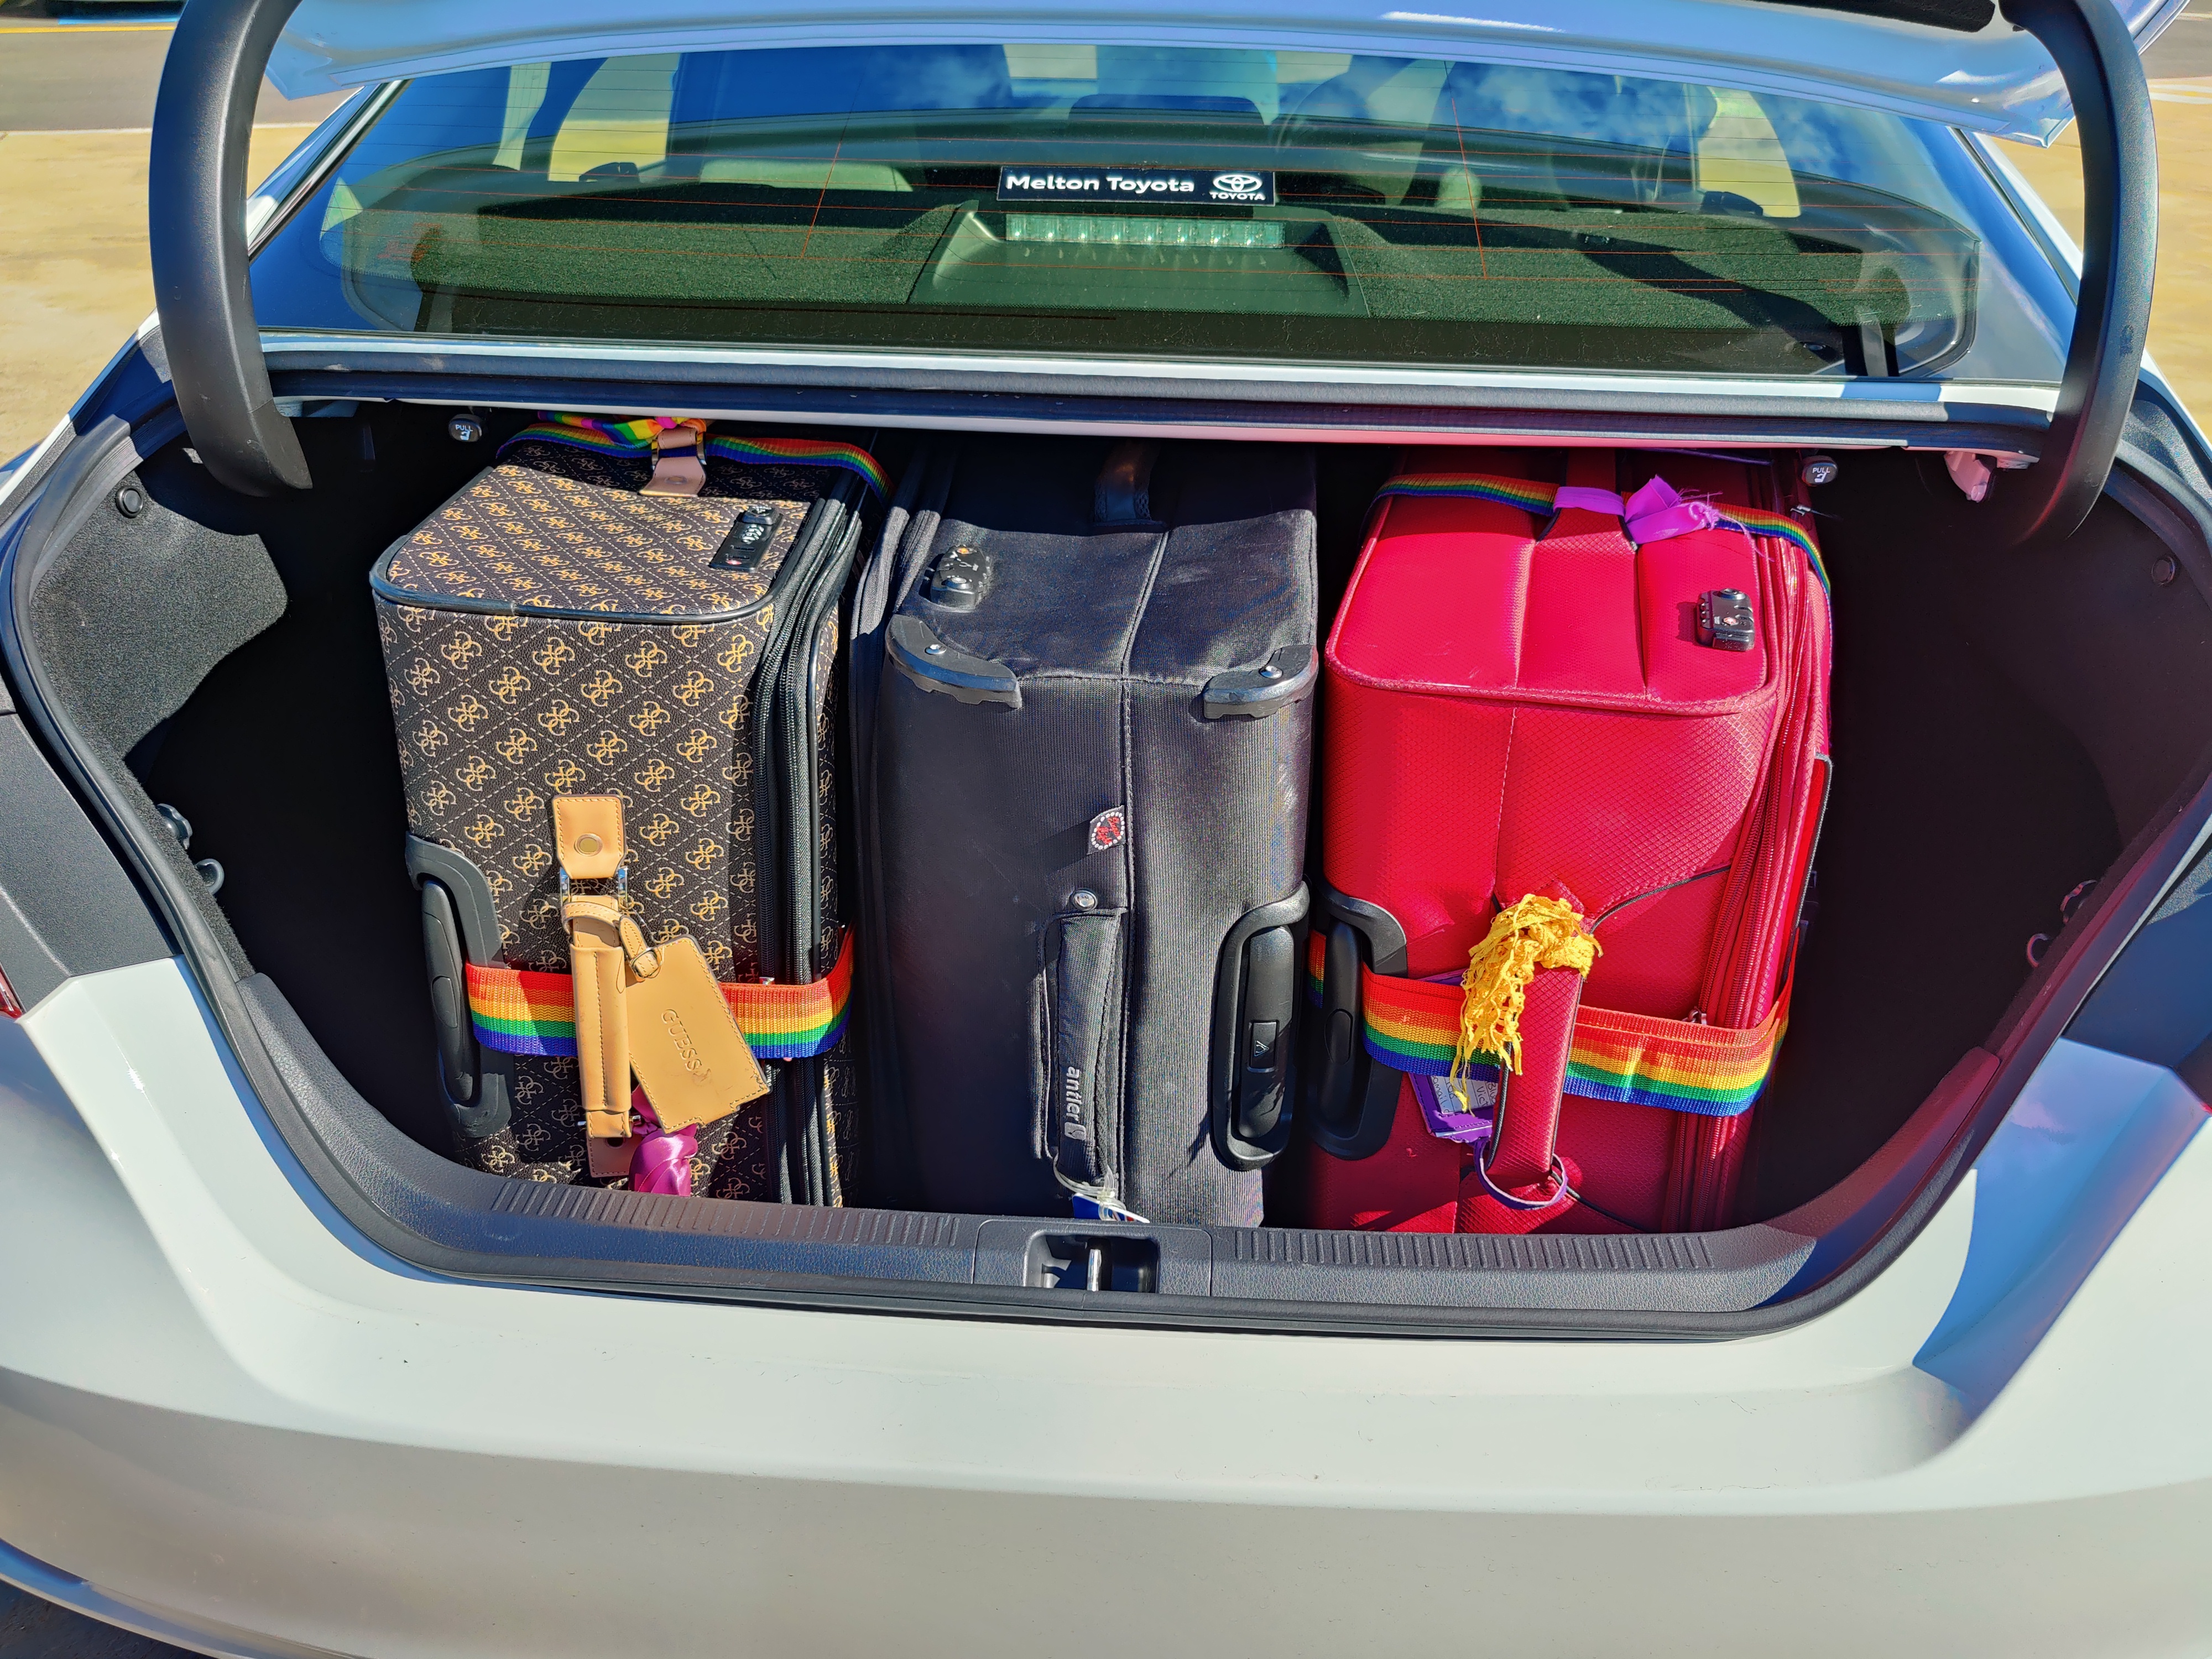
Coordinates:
column 655, row 1010
column 685, row 1046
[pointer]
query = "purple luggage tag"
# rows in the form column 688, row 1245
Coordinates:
column 1466, row 1116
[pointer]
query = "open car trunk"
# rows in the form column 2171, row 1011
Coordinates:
column 2017, row 739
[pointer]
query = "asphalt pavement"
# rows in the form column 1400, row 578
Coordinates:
column 2184, row 51
column 33, row 1628
column 97, row 71
column 76, row 104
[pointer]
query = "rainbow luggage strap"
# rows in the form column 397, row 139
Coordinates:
column 1412, row 1025
column 636, row 438
column 1537, row 498
column 520, row 1012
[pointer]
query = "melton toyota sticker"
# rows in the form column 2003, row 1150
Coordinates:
column 1128, row 184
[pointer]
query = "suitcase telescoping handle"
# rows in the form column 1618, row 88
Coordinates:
column 1255, row 991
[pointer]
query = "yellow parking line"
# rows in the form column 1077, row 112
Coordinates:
column 80, row 28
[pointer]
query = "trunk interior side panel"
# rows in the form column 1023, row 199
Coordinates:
column 284, row 759
column 1962, row 809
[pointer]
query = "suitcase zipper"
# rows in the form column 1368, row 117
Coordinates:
column 785, row 820
column 1707, row 1151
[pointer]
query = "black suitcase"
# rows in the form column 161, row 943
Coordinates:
column 1083, row 676
column 552, row 631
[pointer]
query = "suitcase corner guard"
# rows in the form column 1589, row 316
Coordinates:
column 1255, row 693
column 933, row 666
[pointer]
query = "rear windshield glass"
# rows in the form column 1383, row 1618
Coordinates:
column 1136, row 202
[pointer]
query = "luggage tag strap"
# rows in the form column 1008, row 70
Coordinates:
column 617, row 912
column 678, row 466
column 604, row 941
column 597, row 952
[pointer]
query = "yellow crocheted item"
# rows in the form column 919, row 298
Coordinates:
column 1536, row 931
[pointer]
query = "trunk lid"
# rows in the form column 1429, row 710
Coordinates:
column 1960, row 62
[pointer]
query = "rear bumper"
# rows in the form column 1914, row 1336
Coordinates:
column 223, row 1414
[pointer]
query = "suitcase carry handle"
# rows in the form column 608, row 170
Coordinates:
column 1352, row 1101
column 460, row 926
column 1124, row 491
column 449, row 994
column 1256, row 1005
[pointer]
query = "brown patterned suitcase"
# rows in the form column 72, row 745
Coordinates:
column 554, row 630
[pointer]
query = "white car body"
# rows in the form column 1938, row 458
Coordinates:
column 230, row 1420
column 245, row 1432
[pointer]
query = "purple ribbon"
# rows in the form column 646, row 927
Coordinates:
column 1658, row 511
column 1586, row 499
column 662, row 1162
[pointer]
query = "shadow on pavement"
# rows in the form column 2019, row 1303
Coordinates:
column 32, row 1629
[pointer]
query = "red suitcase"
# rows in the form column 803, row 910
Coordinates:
column 1586, row 693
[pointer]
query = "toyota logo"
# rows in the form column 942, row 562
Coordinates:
column 1237, row 184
